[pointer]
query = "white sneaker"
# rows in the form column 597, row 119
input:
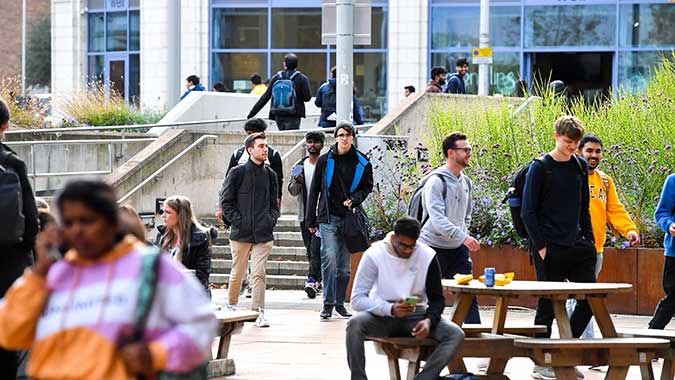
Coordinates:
column 543, row 373
column 483, row 364
column 261, row 321
column 580, row 375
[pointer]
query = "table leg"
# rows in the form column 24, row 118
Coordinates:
column 564, row 326
column 457, row 365
column 501, row 307
column 565, row 373
column 616, row 373
column 602, row 317
column 413, row 369
column 647, row 371
column 394, row 372
column 668, row 370
column 460, row 309
column 223, row 346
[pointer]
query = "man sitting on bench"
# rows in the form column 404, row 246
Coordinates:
column 398, row 293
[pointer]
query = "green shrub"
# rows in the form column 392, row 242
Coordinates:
column 637, row 130
column 29, row 114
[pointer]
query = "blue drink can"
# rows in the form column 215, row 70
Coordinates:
column 489, row 277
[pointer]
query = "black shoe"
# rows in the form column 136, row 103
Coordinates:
column 326, row 313
column 340, row 309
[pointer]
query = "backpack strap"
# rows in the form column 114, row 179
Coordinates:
column 445, row 190
column 605, row 180
column 295, row 73
column 358, row 174
column 147, row 290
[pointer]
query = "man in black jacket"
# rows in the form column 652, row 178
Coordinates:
column 342, row 181
column 15, row 257
column 249, row 201
column 287, row 119
column 303, row 173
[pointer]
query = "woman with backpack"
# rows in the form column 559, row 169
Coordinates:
column 185, row 239
column 82, row 316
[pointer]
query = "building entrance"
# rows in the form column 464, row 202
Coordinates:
column 584, row 74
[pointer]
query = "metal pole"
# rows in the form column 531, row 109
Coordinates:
column 173, row 52
column 484, row 41
column 345, row 57
column 23, row 48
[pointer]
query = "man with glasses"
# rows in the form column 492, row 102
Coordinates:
column 342, row 180
column 397, row 292
column 447, row 209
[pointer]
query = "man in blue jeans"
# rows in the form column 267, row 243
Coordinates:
column 342, row 167
column 447, row 209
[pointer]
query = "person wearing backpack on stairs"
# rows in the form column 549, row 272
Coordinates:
column 326, row 99
column 606, row 210
column 555, row 212
column 288, row 91
column 447, row 202
column 18, row 227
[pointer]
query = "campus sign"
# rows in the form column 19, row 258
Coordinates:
column 117, row 4
column 481, row 56
column 361, row 22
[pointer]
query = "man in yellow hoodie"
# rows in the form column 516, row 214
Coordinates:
column 605, row 206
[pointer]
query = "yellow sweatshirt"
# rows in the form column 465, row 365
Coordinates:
column 606, row 209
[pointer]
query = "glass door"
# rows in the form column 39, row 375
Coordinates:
column 116, row 75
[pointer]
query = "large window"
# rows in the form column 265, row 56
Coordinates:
column 253, row 37
column 647, row 25
column 113, row 46
column 584, row 26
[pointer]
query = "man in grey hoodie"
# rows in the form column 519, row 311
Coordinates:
column 447, row 202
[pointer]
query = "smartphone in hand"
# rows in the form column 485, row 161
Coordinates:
column 297, row 170
column 412, row 300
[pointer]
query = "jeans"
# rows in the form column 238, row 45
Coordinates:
column 448, row 335
column 287, row 123
column 454, row 261
column 240, row 254
column 666, row 308
column 589, row 332
column 313, row 247
column 335, row 262
column 577, row 264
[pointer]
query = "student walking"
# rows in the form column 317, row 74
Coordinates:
column 456, row 83
column 665, row 217
column 248, row 199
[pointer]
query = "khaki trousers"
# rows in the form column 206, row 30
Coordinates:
column 241, row 251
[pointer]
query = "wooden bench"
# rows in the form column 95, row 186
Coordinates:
column 668, row 369
column 416, row 350
column 619, row 353
column 511, row 328
column 229, row 323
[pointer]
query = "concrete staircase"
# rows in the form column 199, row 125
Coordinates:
column 287, row 265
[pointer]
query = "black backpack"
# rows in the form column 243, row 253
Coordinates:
column 329, row 101
column 416, row 206
column 515, row 193
column 12, row 222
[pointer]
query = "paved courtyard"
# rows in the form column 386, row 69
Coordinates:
column 298, row 346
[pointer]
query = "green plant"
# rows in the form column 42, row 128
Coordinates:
column 25, row 112
column 637, row 130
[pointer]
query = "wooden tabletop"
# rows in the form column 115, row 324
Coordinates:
column 225, row 316
column 537, row 288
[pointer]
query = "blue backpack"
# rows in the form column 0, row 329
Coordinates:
column 284, row 98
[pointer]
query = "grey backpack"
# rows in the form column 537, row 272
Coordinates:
column 12, row 222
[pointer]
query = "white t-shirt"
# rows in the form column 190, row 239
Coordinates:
column 309, row 173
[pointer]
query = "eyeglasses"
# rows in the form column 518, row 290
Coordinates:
column 466, row 149
column 344, row 135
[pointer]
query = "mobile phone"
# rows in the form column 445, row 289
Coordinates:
column 297, row 170
column 412, row 300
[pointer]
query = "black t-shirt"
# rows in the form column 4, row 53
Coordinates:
column 345, row 167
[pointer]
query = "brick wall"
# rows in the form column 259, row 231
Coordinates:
column 10, row 31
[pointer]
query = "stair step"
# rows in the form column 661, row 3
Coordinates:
column 273, row 267
column 273, row 281
column 286, row 223
column 284, row 253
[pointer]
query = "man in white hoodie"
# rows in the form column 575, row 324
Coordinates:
column 393, row 271
column 447, row 213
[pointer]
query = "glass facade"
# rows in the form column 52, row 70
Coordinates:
column 113, row 47
column 591, row 45
column 253, row 37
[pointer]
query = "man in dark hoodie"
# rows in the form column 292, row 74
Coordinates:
column 437, row 81
column 192, row 84
column 326, row 99
column 342, row 167
column 18, row 231
column 288, row 90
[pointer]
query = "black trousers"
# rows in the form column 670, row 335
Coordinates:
column 576, row 264
column 454, row 261
column 287, row 123
column 666, row 308
column 313, row 247
column 12, row 265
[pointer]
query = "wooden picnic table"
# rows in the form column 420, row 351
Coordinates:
column 557, row 292
column 229, row 323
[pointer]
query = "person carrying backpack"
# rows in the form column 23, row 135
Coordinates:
column 456, row 83
column 18, row 227
column 326, row 99
column 288, row 91
column 447, row 202
column 555, row 213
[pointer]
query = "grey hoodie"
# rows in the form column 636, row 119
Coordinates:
column 449, row 221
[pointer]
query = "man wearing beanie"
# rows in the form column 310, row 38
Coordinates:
column 343, row 178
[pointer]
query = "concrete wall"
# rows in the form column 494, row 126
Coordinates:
column 69, row 47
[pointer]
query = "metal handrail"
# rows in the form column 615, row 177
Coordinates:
column 302, row 141
column 169, row 163
column 80, row 142
column 526, row 104
column 125, row 127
